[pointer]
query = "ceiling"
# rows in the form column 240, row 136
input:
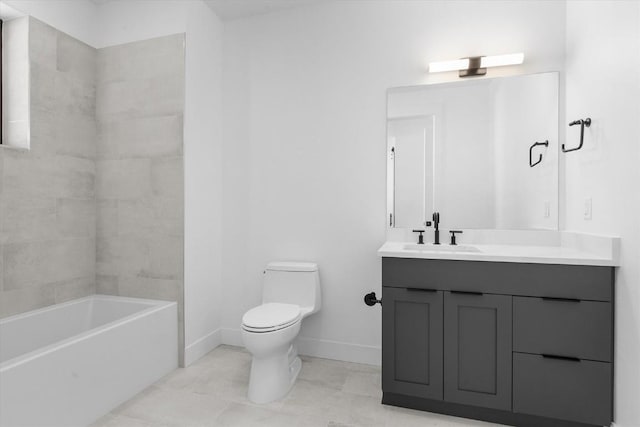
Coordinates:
column 229, row 10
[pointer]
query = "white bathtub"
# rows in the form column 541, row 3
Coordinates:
column 68, row 364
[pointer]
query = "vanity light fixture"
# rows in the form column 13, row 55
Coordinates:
column 476, row 65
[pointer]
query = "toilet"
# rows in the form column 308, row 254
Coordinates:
column 290, row 292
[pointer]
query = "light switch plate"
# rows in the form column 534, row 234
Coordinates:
column 547, row 209
column 587, row 212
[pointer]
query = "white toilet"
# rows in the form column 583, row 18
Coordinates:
column 291, row 292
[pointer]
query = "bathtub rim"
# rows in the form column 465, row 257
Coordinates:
column 154, row 306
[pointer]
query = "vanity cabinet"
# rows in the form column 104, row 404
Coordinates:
column 513, row 343
column 477, row 349
column 414, row 330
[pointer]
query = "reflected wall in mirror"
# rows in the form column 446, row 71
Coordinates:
column 463, row 149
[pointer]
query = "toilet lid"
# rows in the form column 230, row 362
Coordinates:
column 271, row 315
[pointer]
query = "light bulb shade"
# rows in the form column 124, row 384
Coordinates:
column 501, row 60
column 455, row 65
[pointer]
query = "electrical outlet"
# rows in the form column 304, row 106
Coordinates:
column 587, row 212
column 547, row 209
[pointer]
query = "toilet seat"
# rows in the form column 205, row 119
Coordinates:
column 271, row 317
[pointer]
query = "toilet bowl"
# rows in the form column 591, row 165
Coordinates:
column 291, row 292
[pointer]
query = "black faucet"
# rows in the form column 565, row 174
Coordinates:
column 420, row 237
column 453, row 236
column 436, row 224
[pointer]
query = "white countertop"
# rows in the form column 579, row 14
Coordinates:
column 568, row 248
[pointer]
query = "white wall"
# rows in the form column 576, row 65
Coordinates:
column 203, row 182
column 603, row 82
column 525, row 111
column 304, row 139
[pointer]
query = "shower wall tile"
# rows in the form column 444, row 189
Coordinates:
column 75, row 288
column 27, row 174
column 27, row 219
column 76, row 218
column 140, row 172
column 133, row 257
column 106, row 285
column 1, row 180
column 167, row 177
column 155, row 58
column 76, row 59
column 107, row 218
column 124, row 179
column 48, row 261
column 1, row 271
column 47, row 194
column 157, row 136
column 144, row 287
column 122, row 99
column 77, row 128
column 107, row 256
column 166, row 257
column 20, row 300
column 43, row 83
column 151, row 216
column 43, row 41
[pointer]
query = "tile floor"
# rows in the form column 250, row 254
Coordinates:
column 212, row 392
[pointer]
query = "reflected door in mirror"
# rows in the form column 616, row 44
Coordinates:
column 411, row 155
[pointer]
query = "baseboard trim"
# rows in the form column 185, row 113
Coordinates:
column 202, row 346
column 325, row 349
column 232, row 337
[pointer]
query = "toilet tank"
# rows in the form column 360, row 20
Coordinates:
column 292, row 283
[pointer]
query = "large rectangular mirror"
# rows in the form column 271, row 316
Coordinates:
column 483, row 153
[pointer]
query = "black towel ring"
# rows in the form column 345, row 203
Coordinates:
column 586, row 122
column 531, row 164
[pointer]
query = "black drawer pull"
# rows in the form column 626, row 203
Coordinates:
column 467, row 293
column 561, row 299
column 421, row 290
column 553, row 356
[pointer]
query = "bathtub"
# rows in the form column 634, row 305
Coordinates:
column 68, row 364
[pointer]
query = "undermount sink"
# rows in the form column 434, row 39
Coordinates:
column 441, row 248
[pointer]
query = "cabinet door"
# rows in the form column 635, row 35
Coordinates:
column 412, row 342
column 477, row 349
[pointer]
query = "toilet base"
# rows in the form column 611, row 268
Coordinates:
column 272, row 377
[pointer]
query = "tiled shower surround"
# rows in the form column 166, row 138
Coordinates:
column 139, row 171
column 96, row 204
column 47, row 198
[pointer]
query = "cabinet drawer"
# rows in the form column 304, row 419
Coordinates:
column 579, row 391
column 581, row 329
column 584, row 282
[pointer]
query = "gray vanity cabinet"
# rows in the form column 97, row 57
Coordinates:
column 412, row 342
column 477, row 349
column 529, row 345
